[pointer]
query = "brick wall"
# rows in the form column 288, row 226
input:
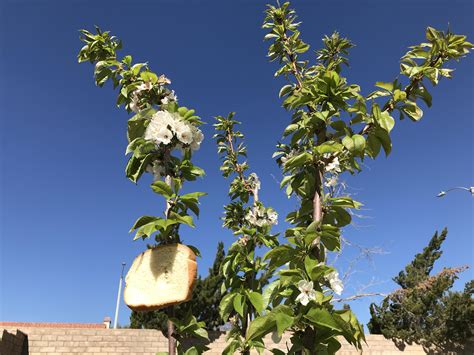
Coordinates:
column 54, row 340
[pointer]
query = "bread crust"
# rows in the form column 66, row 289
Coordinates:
column 192, row 276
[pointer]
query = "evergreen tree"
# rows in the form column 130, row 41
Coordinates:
column 204, row 303
column 423, row 310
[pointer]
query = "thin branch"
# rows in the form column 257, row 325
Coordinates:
column 360, row 295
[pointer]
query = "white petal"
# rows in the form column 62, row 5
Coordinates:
column 302, row 298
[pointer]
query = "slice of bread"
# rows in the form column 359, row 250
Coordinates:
column 160, row 277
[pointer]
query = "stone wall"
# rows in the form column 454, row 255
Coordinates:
column 56, row 340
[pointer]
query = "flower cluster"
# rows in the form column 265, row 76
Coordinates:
column 147, row 86
column 260, row 216
column 168, row 128
column 307, row 292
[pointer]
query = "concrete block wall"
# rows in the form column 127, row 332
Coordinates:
column 73, row 341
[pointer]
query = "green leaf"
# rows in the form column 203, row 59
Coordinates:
column 359, row 142
column 329, row 147
column 412, row 111
column 299, row 160
column 384, row 139
column 193, row 196
column 142, row 221
column 257, row 301
column 137, row 124
column 280, row 255
column 226, row 306
column 310, row 263
column 285, row 90
column 386, row 86
column 137, row 166
column 330, row 241
column 348, row 143
column 134, row 145
column 162, row 188
column 261, row 326
column 268, row 291
column 231, row 348
column 239, row 302
column 373, row 145
column 192, row 351
column 149, row 76
column 386, row 121
column 188, row 220
column 322, row 318
column 283, row 322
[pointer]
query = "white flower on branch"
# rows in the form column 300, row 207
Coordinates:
column 260, row 216
column 334, row 166
column 331, row 182
column 164, row 126
column 145, row 86
column 307, row 292
column 171, row 97
column 134, row 104
column 198, row 137
column 183, row 132
column 272, row 217
column 335, row 282
column 164, row 135
column 156, row 169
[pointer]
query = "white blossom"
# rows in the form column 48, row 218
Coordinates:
column 134, row 104
column 261, row 216
column 272, row 217
column 170, row 97
column 307, row 292
column 145, row 86
column 255, row 181
column 156, row 169
column 163, row 80
column 471, row 190
column 164, row 135
column 165, row 125
column 331, row 182
column 183, row 132
column 334, row 166
column 335, row 282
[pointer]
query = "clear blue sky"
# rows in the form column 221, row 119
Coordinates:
column 66, row 205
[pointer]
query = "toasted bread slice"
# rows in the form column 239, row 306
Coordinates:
column 160, row 277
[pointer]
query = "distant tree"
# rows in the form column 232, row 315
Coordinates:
column 423, row 310
column 204, row 303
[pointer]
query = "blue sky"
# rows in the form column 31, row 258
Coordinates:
column 66, row 205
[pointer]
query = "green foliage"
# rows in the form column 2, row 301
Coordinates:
column 156, row 109
column 245, row 272
column 423, row 310
column 333, row 128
